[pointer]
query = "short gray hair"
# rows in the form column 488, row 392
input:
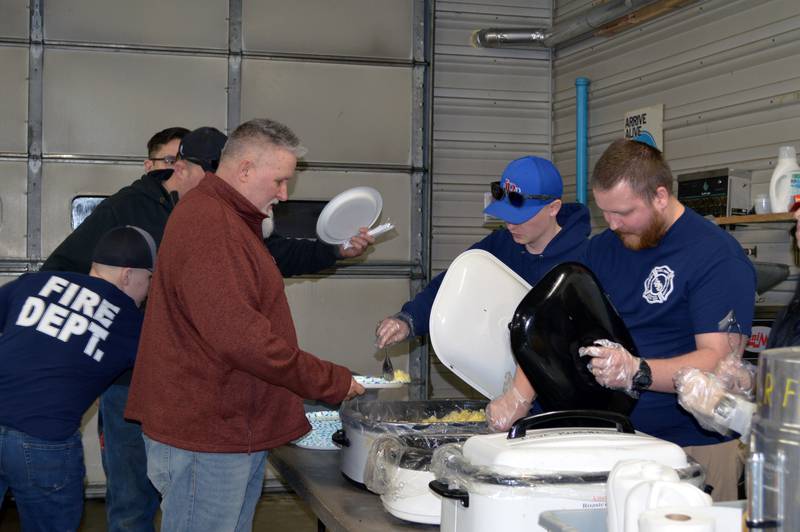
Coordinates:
column 264, row 131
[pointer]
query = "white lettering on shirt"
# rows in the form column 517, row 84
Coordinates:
column 54, row 284
column 51, row 321
column 105, row 313
column 79, row 312
column 32, row 310
column 85, row 302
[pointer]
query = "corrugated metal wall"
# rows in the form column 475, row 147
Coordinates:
column 728, row 74
column 490, row 106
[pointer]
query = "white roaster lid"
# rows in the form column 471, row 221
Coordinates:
column 570, row 450
column 470, row 317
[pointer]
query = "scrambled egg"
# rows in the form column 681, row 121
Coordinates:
column 457, row 415
column 401, row 376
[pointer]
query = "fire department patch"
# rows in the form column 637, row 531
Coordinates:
column 658, row 285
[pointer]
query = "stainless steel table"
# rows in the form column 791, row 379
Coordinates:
column 339, row 505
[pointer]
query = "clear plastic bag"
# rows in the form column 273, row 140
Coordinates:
column 721, row 401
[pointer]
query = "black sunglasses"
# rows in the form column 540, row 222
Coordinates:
column 515, row 198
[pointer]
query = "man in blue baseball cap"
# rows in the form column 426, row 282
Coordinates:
column 528, row 185
column 540, row 232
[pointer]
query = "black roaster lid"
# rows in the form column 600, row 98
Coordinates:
column 565, row 310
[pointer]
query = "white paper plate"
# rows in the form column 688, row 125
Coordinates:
column 341, row 218
column 323, row 425
column 376, row 382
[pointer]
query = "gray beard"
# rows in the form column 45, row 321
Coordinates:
column 267, row 226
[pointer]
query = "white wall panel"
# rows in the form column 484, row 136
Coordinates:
column 726, row 72
column 177, row 23
column 14, row 99
column 336, row 318
column 395, row 190
column 342, row 113
column 13, row 209
column 62, row 182
column 111, row 103
column 362, row 28
column 490, row 106
column 15, row 20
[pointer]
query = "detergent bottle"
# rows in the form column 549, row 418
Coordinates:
column 780, row 185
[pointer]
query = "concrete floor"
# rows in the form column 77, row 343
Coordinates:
column 275, row 512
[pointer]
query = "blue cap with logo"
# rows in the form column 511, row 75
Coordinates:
column 525, row 177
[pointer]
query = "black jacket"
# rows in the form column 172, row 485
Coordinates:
column 143, row 203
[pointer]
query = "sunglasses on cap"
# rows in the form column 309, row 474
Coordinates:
column 515, row 198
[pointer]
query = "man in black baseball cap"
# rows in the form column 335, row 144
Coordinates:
column 127, row 246
column 67, row 337
column 203, row 147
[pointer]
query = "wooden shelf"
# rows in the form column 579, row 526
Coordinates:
column 754, row 218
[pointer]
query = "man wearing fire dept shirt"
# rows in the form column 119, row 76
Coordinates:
column 673, row 277
column 65, row 338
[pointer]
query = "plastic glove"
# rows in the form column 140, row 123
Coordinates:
column 704, row 396
column 504, row 410
column 736, row 375
column 612, row 365
column 390, row 331
column 699, row 392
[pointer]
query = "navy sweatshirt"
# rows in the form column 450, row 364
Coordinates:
column 65, row 338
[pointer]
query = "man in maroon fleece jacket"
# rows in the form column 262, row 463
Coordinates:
column 219, row 377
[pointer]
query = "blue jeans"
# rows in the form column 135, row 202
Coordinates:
column 131, row 500
column 46, row 478
column 215, row 492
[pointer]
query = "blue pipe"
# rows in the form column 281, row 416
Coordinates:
column 581, row 139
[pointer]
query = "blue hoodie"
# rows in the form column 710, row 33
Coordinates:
column 567, row 245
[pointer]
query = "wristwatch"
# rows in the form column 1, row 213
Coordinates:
column 642, row 379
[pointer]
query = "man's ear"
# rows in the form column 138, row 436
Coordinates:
column 554, row 207
column 124, row 277
column 661, row 199
column 148, row 165
column 244, row 167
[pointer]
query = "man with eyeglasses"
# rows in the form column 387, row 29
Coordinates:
column 540, row 233
column 178, row 160
column 162, row 148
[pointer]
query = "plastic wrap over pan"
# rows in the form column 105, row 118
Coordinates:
column 565, row 310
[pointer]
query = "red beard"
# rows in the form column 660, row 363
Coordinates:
column 649, row 238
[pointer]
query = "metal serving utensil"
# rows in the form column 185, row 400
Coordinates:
column 387, row 370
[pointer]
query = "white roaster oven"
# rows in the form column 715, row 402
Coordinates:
column 504, row 481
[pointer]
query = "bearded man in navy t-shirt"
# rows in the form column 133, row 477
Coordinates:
column 673, row 276
column 64, row 338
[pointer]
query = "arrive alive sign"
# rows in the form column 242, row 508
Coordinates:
column 647, row 122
